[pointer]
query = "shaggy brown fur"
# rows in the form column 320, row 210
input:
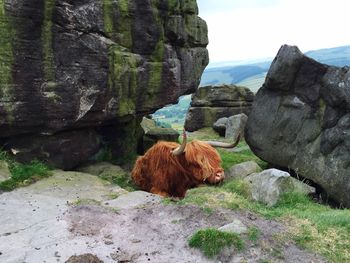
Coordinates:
column 160, row 172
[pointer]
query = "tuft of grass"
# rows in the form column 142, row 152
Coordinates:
column 212, row 241
column 24, row 174
column 122, row 179
column 208, row 210
column 253, row 234
column 238, row 186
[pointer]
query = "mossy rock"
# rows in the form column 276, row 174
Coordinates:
column 159, row 134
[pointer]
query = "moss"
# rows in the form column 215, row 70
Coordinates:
column 209, row 116
column 126, row 141
column 46, row 36
column 6, row 62
column 173, row 6
column 189, row 6
column 123, row 6
column 6, row 54
column 156, row 61
column 123, row 71
column 124, row 25
column 83, row 201
column 118, row 22
column 108, row 22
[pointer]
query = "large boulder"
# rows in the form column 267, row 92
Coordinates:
column 211, row 103
column 301, row 120
column 220, row 126
column 235, row 126
column 269, row 186
column 94, row 68
column 242, row 170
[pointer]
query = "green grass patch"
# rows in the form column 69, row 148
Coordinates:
column 315, row 227
column 24, row 174
column 232, row 158
column 253, row 234
column 123, row 179
column 312, row 226
column 212, row 241
column 238, row 186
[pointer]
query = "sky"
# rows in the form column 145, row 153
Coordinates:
column 253, row 29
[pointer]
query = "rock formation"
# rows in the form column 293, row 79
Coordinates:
column 301, row 120
column 77, row 76
column 211, row 103
column 154, row 133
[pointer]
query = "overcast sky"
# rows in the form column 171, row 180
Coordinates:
column 252, row 29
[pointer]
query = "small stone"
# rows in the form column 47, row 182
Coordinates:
column 109, row 236
column 236, row 227
column 88, row 258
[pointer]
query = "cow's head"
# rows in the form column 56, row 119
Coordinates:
column 202, row 161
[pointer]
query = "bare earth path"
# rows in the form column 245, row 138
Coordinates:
column 74, row 213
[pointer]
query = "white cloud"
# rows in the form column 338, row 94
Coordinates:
column 250, row 31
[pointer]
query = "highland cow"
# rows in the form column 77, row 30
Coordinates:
column 169, row 169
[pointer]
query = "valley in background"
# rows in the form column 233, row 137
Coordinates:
column 250, row 74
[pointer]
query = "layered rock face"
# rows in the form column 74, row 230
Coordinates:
column 301, row 120
column 77, row 76
column 211, row 103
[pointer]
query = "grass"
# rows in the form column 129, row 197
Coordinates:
column 231, row 158
column 120, row 178
column 238, row 186
column 212, row 241
column 124, row 182
column 253, row 234
column 23, row 174
column 312, row 226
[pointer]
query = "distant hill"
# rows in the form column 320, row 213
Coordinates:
column 253, row 75
column 338, row 56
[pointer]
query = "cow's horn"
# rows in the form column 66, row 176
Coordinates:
column 224, row 144
column 179, row 150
